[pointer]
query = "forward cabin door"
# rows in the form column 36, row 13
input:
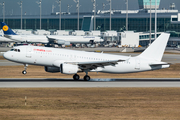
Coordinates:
column 28, row 52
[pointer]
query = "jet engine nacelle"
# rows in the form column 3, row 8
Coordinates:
column 52, row 69
column 63, row 42
column 68, row 69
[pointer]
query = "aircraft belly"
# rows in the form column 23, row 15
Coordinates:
column 119, row 69
column 128, row 66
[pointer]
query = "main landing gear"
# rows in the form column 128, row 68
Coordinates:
column 86, row 77
column 76, row 77
column 25, row 67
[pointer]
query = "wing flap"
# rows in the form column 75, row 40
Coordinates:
column 90, row 64
column 95, row 64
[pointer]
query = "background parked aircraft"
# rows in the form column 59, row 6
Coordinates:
column 57, row 39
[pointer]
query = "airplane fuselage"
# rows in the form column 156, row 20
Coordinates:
column 4, row 39
column 44, row 39
column 53, row 57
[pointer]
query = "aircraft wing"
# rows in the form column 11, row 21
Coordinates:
column 7, row 36
column 94, row 64
column 58, row 41
column 50, row 39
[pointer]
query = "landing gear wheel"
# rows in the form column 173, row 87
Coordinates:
column 76, row 77
column 25, row 67
column 24, row 72
column 86, row 78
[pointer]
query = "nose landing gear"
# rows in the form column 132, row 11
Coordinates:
column 24, row 72
column 25, row 67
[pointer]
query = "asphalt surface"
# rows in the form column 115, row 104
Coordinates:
column 8, row 63
column 69, row 83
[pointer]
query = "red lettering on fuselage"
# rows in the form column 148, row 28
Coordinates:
column 42, row 50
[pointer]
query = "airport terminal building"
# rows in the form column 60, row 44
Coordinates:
column 168, row 20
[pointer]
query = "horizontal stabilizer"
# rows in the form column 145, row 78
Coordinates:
column 158, row 63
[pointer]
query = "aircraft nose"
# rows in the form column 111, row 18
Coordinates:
column 6, row 55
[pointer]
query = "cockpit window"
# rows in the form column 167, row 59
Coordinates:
column 16, row 50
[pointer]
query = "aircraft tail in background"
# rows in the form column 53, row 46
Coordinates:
column 6, row 29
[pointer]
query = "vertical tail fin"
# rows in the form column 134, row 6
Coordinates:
column 156, row 49
column 7, row 30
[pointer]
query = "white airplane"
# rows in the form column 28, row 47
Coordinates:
column 63, row 40
column 72, row 62
column 4, row 39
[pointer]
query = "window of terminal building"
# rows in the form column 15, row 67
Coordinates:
column 174, row 19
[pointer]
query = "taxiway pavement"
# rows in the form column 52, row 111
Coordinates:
column 69, row 83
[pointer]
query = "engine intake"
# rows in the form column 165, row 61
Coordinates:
column 62, row 42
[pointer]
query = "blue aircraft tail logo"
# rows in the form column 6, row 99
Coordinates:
column 7, row 30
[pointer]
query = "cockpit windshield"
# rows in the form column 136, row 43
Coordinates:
column 16, row 50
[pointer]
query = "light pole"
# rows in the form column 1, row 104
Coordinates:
column 68, row 7
column 155, row 19
column 110, row 14
column 3, row 4
column 20, row 3
column 59, row 2
column 103, row 6
column 103, row 10
column 150, row 25
column 126, row 15
column 53, row 6
column 94, row 6
column 77, row 7
column 39, row 3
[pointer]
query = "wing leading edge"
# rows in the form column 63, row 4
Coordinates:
column 90, row 65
